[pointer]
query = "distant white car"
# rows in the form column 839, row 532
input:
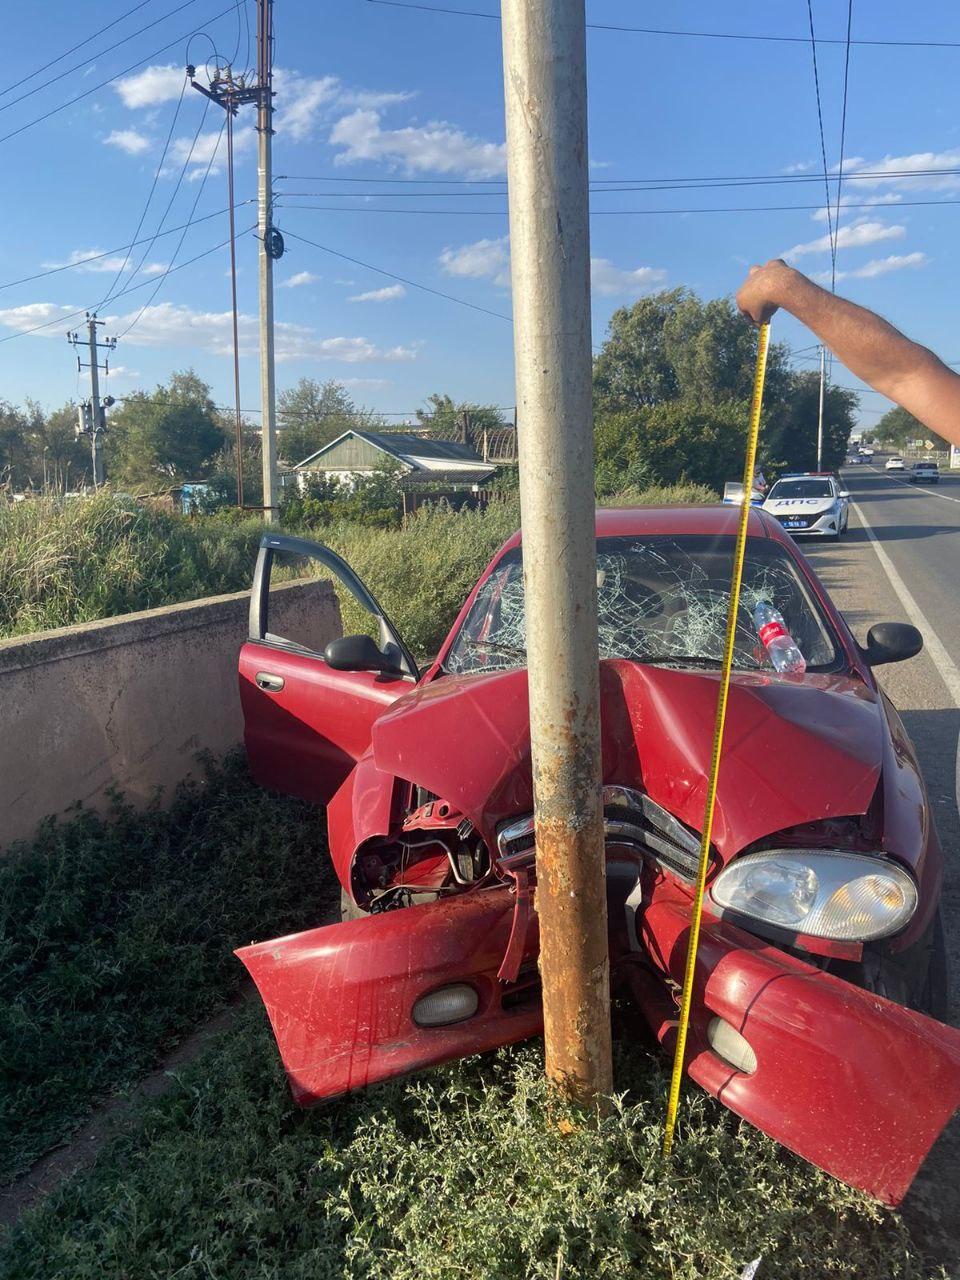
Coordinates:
column 894, row 464
column 853, row 460
column 927, row 472
column 866, row 452
column 811, row 503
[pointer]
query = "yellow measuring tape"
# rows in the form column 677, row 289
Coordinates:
column 673, row 1099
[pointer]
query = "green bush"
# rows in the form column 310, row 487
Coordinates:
column 116, row 937
column 468, row 1171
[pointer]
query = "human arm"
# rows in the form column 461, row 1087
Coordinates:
column 871, row 349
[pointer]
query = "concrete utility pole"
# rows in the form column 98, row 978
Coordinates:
column 91, row 419
column 823, row 380
column 268, row 250
column 231, row 92
column 544, row 70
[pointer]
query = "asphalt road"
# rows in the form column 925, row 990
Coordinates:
column 900, row 561
column 909, row 571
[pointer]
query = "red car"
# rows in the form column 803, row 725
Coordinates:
column 822, row 949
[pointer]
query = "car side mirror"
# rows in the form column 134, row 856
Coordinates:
column 844, row 493
column 357, row 653
column 892, row 642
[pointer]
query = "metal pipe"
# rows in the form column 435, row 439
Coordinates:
column 544, row 55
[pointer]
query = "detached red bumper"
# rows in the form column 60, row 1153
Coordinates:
column 851, row 1082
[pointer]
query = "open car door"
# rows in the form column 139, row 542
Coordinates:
column 306, row 722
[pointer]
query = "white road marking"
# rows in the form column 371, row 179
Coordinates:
column 946, row 667
column 916, row 488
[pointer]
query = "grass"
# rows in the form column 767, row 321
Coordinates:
column 66, row 562
column 467, row 1171
column 116, row 936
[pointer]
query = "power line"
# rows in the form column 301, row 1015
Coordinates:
column 176, row 191
column 843, row 138
column 697, row 35
column 620, row 213
column 823, row 145
column 96, row 257
column 93, row 57
column 402, row 279
column 146, row 207
column 603, row 185
column 110, row 79
column 73, row 48
column 183, row 233
column 144, row 284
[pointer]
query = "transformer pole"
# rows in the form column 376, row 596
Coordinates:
column 92, row 419
column 267, row 237
column 544, row 69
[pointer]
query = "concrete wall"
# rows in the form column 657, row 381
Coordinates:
column 128, row 702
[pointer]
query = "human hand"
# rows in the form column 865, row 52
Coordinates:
column 761, row 294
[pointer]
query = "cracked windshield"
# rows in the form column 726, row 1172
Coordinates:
column 659, row 600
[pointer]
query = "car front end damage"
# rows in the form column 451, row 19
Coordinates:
column 437, row 843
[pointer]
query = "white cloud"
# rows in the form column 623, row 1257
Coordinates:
column 171, row 325
column 151, row 86
column 31, row 314
column 855, row 236
column 800, row 167
column 858, row 198
column 121, row 371
column 210, row 148
column 299, row 280
column 128, row 140
column 434, row 147
column 386, row 294
column 878, row 267
column 481, row 260
column 490, row 260
column 609, row 281
column 366, row 382
column 909, row 163
column 92, row 260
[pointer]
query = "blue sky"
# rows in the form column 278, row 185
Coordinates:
column 373, row 92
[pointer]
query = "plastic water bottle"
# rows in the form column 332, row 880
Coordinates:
column 777, row 640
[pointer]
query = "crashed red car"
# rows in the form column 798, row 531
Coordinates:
column 822, row 956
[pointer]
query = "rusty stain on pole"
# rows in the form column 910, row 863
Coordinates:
column 544, row 55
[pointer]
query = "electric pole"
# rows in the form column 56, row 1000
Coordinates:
column 271, row 246
column 545, row 89
column 91, row 419
column 231, row 92
column 823, row 380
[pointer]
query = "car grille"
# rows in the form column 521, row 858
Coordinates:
column 629, row 817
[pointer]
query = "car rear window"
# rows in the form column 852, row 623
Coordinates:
column 660, row 599
column 800, row 489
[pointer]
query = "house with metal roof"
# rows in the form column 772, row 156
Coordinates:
column 424, row 465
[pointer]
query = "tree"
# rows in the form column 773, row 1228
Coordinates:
column 898, row 428
column 448, row 420
column 678, row 440
column 671, row 346
column 63, row 459
column 310, row 415
column 790, row 436
column 171, row 434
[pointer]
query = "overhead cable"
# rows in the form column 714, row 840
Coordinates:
column 693, row 35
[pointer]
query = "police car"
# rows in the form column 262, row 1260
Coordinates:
column 810, row 503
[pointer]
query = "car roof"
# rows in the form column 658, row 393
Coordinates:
column 717, row 520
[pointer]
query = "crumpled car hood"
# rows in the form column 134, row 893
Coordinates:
column 796, row 750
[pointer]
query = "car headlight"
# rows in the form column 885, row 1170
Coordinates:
column 824, row 893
